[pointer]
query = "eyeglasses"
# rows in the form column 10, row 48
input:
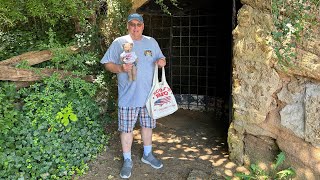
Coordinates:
column 135, row 24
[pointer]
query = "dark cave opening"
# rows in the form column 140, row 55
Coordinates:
column 197, row 42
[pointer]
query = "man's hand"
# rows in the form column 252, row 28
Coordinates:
column 161, row 62
column 126, row 67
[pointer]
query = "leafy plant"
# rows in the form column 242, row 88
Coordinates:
column 9, row 114
column 66, row 115
column 13, row 13
column 53, row 128
column 164, row 7
column 58, row 132
column 292, row 20
column 274, row 174
column 116, row 23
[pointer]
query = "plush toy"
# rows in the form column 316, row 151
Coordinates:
column 127, row 56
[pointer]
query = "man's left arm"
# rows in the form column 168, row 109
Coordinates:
column 161, row 62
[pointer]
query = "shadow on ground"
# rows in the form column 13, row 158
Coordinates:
column 191, row 144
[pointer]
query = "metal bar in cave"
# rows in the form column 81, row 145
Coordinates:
column 189, row 64
column 170, row 53
column 197, row 58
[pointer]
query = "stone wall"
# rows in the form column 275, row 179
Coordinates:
column 274, row 110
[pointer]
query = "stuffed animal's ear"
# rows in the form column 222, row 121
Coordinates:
column 124, row 44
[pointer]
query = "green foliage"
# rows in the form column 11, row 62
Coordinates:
column 66, row 115
column 51, row 129
column 88, row 38
column 274, row 174
column 292, row 20
column 30, row 25
column 9, row 114
column 79, row 64
column 164, row 7
column 9, row 16
column 116, row 23
column 57, row 133
column 16, row 42
column 13, row 13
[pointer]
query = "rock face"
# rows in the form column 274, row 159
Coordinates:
column 274, row 109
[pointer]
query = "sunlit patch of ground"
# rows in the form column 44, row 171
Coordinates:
column 192, row 145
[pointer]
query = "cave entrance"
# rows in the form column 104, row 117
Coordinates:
column 197, row 42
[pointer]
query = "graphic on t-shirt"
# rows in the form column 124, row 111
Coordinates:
column 148, row 53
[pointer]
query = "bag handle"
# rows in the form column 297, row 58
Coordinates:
column 163, row 78
column 155, row 75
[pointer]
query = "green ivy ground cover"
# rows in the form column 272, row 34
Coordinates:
column 49, row 130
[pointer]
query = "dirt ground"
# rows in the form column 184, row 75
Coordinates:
column 191, row 144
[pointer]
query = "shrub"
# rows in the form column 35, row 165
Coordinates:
column 275, row 174
column 58, row 132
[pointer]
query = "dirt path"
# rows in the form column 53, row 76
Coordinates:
column 191, row 145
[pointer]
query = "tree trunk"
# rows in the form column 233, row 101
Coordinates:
column 8, row 73
column 33, row 57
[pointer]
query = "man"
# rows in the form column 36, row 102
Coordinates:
column 133, row 94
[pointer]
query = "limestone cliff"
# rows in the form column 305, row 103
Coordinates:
column 274, row 109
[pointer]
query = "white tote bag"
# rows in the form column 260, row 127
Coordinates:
column 161, row 101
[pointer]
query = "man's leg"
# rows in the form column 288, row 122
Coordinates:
column 147, row 124
column 126, row 142
column 146, row 134
column 127, row 119
column 148, row 157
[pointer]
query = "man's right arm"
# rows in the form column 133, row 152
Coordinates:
column 117, row 68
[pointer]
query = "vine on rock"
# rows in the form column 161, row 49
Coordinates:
column 293, row 20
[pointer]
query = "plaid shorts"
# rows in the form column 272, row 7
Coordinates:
column 127, row 118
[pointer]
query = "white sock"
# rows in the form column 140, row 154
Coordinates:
column 147, row 149
column 127, row 155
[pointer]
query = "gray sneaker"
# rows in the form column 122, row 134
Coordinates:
column 151, row 160
column 126, row 169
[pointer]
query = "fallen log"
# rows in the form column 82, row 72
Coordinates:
column 8, row 73
column 34, row 57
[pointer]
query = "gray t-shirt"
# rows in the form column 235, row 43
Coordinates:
column 135, row 93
